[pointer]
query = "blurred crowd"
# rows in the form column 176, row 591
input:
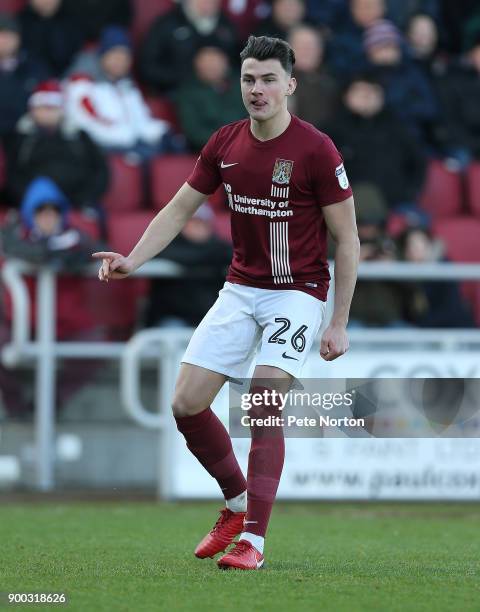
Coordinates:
column 395, row 83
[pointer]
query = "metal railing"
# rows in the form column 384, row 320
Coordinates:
column 166, row 346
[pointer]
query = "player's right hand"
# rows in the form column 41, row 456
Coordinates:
column 113, row 265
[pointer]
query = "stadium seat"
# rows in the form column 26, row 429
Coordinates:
column 473, row 188
column 11, row 6
column 85, row 224
column 461, row 238
column 125, row 192
column 116, row 304
column 125, row 229
column 442, row 192
column 145, row 12
column 163, row 108
column 168, row 173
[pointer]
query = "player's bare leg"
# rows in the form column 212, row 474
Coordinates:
column 265, row 464
column 210, row 442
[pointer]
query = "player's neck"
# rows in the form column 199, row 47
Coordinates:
column 266, row 130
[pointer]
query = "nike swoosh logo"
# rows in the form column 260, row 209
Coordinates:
column 224, row 165
column 288, row 356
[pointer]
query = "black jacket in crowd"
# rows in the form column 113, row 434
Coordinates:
column 190, row 297
column 94, row 15
column 460, row 96
column 16, row 85
column 380, row 150
column 70, row 158
column 171, row 43
column 53, row 39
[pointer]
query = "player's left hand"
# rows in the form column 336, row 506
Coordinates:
column 334, row 342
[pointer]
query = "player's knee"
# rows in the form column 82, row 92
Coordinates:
column 184, row 405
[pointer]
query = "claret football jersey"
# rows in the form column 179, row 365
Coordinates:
column 276, row 190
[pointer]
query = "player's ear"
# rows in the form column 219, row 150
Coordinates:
column 292, row 86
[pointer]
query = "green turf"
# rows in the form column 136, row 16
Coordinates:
column 138, row 556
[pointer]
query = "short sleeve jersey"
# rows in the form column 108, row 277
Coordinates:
column 276, row 190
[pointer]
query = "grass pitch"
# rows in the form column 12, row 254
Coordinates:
column 328, row 557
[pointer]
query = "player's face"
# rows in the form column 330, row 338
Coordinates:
column 265, row 86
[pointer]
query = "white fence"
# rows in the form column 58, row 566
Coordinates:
column 398, row 352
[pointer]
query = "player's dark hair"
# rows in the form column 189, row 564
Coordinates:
column 264, row 48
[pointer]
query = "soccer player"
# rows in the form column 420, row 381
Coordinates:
column 285, row 184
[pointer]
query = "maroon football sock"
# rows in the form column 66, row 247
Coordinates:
column 265, row 464
column 210, row 442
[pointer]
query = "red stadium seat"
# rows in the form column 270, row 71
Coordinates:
column 473, row 188
column 168, row 173
column 163, row 108
column 124, row 230
column 12, row 6
column 116, row 304
column 461, row 238
column 442, row 193
column 125, row 192
column 145, row 12
column 85, row 224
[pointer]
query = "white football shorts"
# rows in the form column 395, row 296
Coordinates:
column 281, row 325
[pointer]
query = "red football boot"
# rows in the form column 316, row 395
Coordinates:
column 229, row 525
column 243, row 556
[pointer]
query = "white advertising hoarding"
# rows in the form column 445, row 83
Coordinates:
column 360, row 468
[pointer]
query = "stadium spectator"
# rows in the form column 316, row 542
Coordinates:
column 44, row 145
column 346, row 51
column 103, row 100
column 375, row 147
column 402, row 12
column 375, row 303
column 166, row 56
column 407, row 90
column 210, row 99
column 422, row 36
column 460, row 95
column 93, row 16
column 454, row 15
column 328, row 13
column 205, row 258
column 317, row 97
column 286, row 14
column 19, row 73
column 42, row 235
column 49, row 34
column 246, row 14
column 432, row 303
column 423, row 39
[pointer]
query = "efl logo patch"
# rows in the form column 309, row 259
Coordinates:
column 342, row 176
column 282, row 171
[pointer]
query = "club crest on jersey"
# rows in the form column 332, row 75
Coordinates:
column 282, row 171
column 342, row 176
